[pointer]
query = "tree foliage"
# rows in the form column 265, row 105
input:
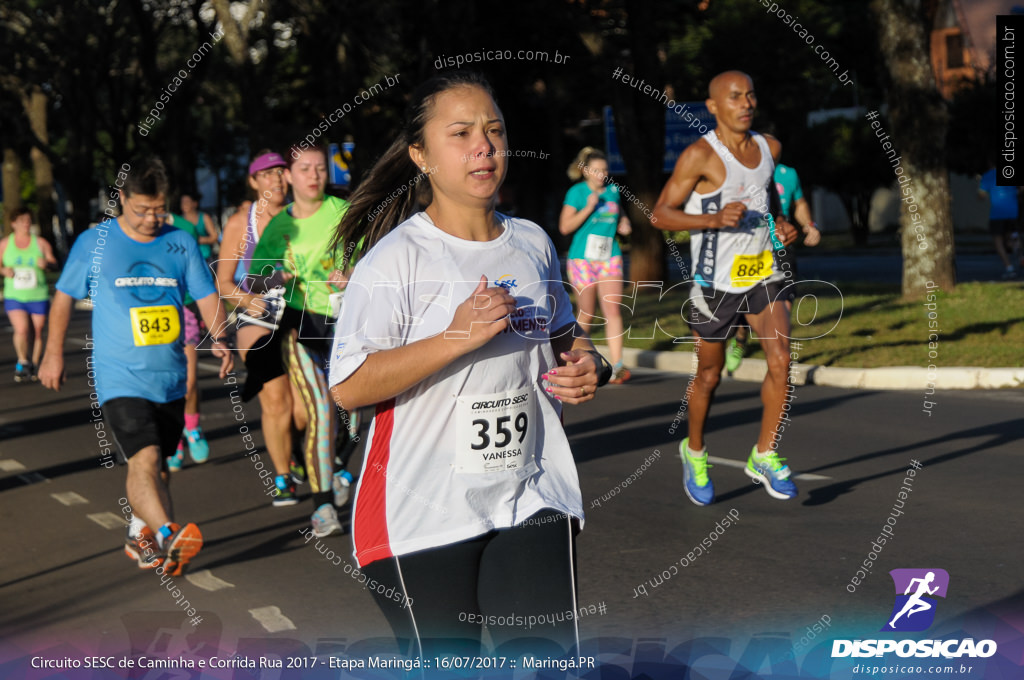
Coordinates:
column 271, row 71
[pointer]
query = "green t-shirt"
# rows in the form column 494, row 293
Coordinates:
column 29, row 281
column 787, row 183
column 180, row 222
column 301, row 246
column 596, row 238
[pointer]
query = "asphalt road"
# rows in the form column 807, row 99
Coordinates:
column 66, row 585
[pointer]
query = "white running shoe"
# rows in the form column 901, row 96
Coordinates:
column 325, row 521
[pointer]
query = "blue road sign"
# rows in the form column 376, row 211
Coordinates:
column 340, row 158
column 679, row 134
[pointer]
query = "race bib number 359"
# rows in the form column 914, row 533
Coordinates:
column 495, row 432
column 158, row 325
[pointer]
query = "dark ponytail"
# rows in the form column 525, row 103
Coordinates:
column 374, row 208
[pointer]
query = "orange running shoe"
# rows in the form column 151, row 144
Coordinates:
column 181, row 546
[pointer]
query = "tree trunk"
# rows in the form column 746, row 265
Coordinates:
column 919, row 118
column 640, row 129
column 35, row 103
column 11, row 178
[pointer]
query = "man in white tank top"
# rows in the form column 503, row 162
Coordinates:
column 723, row 193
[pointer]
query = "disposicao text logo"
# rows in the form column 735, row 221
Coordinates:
column 916, row 589
column 914, row 610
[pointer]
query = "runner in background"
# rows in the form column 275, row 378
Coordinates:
column 258, row 335
column 200, row 224
column 192, row 434
column 24, row 259
column 722, row 190
column 137, row 269
column 593, row 215
column 1003, row 221
column 298, row 240
column 797, row 210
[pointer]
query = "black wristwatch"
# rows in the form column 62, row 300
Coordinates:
column 223, row 341
column 606, row 368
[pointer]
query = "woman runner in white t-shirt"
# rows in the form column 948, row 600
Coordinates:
column 457, row 327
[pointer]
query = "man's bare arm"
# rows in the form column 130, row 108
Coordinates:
column 688, row 171
column 51, row 369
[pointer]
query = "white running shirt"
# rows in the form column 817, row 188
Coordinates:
column 479, row 445
column 735, row 259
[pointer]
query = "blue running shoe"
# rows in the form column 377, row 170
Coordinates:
column 22, row 372
column 696, row 483
column 768, row 469
column 285, row 492
column 175, row 462
column 198, row 447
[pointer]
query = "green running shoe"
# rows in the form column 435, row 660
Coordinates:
column 734, row 352
column 769, row 470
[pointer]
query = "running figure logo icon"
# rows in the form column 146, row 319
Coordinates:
column 914, row 609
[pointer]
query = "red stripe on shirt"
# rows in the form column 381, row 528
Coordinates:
column 370, row 524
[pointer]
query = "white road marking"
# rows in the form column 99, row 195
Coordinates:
column 10, row 465
column 68, row 498
column 728, row 462
column 272, row 620
column 207, row 581
column 108, row 520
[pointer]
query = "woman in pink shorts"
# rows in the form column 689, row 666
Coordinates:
column 592, row 213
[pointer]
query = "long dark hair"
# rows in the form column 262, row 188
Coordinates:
column 373, row 209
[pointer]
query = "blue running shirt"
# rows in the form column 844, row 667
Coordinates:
column 1002, row 200
column 137, row 290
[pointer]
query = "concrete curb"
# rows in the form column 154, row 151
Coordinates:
column 888, row 378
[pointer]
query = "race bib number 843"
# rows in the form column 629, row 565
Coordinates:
column 158, row 325
column 495, row 432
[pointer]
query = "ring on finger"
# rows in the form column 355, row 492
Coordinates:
column 583, row 391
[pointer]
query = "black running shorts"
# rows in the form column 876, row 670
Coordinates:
column 714, row 314
column 137, row 423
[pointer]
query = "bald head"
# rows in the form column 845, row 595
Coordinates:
column 722, row 83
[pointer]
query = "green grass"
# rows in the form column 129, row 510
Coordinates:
column 866, row 325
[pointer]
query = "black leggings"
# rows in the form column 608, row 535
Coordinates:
column 521, row 581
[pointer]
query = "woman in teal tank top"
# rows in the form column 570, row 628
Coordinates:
column 592, row 213
column 24, row 258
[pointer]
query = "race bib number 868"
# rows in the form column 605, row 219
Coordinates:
column 495, row 432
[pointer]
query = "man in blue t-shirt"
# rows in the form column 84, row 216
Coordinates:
column 1002, row 218
column 136, row 271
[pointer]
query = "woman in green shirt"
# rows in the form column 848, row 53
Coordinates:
column 295, row 247
column 24, row 257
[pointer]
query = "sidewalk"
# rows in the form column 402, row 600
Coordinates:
column 887, row 378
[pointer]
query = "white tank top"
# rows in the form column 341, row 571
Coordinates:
column 249, row 240
column 735, row 259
